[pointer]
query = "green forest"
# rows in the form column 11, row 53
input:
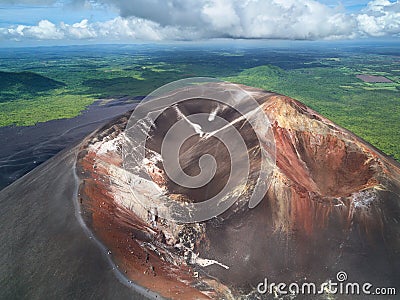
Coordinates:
column 45, row 84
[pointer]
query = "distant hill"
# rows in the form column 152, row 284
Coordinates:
column 16, row 84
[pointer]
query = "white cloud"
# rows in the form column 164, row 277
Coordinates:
column 45, row 30
column 201, row 19
column 222, row 16
column 130, row 29
column 380, row 18
column 81, row 30
column 117, row 29
column 292, row 19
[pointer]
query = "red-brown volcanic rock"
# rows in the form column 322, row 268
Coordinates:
column 333, row 205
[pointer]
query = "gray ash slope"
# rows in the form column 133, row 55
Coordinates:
column 26, row 147
column 45, row 253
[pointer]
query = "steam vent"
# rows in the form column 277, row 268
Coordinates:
column 332, row 204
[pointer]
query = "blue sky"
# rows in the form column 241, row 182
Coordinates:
column 62, row 11
column 106, row 21
column 349, row 4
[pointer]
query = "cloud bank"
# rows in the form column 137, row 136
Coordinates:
column 157, row 20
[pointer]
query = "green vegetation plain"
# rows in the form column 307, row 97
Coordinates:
column 41, row 84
